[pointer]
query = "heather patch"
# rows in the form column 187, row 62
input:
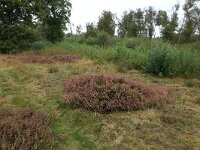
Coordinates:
column 24, row 129
column 107, row 93
column 50, row 59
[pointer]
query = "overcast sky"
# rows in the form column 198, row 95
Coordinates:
column 84, row 11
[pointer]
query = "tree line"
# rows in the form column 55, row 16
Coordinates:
column 23, row 22
column 142, row 23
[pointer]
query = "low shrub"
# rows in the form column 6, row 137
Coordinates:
column 90, row 41
column 104, row 39
column 24, row 129
column 188, row 64
column 106, row 93
column 50, row 60
column 131, row 44
column 14, row 39
column 129, row 59
column 101, row 38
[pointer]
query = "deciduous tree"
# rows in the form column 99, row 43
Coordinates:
column 106, row 23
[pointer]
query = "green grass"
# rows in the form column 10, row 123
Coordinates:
column 170, row 126
column 134, row 53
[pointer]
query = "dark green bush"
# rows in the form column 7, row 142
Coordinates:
column 16, row 38
column 121, row 54
column 101, row 38
column 188, row 64
column 131, row 44
column 54, row 30
column 91, row 41
column 130, row 59
column 104, row 39
column 161, row 60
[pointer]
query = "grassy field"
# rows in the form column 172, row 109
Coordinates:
column 171, row 126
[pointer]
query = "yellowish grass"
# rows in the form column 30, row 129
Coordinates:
column 79, row 129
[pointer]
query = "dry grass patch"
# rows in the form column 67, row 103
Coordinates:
column 50, row 59
column 8, row 60
column 24, row 129
column 107, row 93
column 198, row 101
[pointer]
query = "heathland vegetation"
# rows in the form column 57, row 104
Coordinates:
column 115, row 86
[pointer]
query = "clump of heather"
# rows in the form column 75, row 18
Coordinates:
column 25, row 129
column 50, row 59
column 107, row 93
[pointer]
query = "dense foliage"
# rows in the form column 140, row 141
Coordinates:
column 161, row 60
column 22, row 22
column 143, row 22
column 143, row 54
column 106, row 23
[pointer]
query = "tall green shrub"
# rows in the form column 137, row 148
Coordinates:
column 161, row 60
column 16, row 37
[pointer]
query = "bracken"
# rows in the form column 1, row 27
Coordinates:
column 106, row 93
column 24, row 129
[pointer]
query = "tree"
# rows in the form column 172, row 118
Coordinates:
column 78, row 29
column 150, row 17
column 139, row 17
column 132, row 24
column 91, row 30
column 128, row 25
column 168, row 32
column 106, row 23
column 192, row 21
column 56, row 16
column 20, row 20
column 162, row 19
column 16, row 24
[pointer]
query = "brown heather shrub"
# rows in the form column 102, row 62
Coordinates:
column 50, row 59
column 24, row 129
column 106, row 93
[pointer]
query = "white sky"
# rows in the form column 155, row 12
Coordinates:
column 84, row 11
